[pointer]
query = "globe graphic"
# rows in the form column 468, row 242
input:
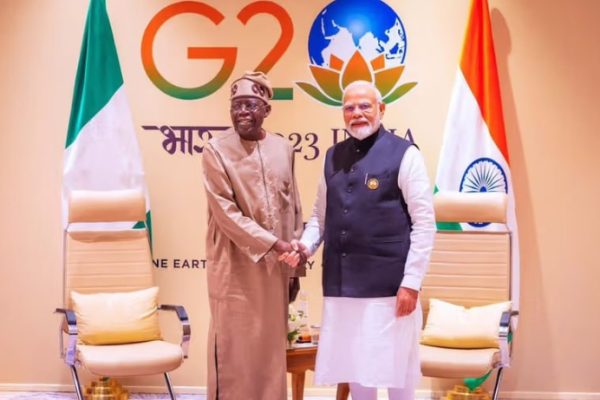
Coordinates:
column 344, row 26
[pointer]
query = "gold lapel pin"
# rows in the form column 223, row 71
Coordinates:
column 373, row 183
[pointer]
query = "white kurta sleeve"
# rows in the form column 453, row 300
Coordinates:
column 414, row 184
column 313, row 232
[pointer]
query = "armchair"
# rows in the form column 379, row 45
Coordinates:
column 470, row 268
column 111, row 268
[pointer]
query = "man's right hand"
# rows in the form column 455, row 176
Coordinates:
column 298, row 256
column 282, row 247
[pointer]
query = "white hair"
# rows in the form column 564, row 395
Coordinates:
column 367, row 84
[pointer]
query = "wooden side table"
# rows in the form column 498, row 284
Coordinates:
column 298, row 361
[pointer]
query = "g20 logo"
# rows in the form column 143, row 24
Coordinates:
column 354, row 40
column 227, row 55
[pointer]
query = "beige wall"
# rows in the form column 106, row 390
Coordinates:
column 548, row 63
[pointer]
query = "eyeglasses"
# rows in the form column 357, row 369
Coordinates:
column 362, row 107
column 250, row 106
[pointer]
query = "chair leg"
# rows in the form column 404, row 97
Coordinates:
column 497, row 384
column 169, row 387
column 76, row 382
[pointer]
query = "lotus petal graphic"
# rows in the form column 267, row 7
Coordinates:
column 332, row 81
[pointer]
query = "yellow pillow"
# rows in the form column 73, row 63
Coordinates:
column 115, row 318
column 449, row 325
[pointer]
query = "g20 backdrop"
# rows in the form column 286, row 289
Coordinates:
column 178, row 60
column 544, row 97
column 348, row 40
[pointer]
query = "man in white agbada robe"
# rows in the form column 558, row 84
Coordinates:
column 374, row 212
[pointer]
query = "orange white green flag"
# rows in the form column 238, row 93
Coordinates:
column 474, row 155
column 101, row 150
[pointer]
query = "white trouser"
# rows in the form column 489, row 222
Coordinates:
column 359, row 392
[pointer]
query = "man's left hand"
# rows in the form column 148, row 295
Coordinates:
column 406, row 301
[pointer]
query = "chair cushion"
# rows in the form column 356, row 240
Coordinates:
column 440, row 362
column 145, row 358
column 117, row 318
column 450, row 325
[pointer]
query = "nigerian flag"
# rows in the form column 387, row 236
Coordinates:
column 101, row 151
column 474, row 155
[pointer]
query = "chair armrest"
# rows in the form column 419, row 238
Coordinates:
column 69, row 354
column 504, row 339
column 185, row 325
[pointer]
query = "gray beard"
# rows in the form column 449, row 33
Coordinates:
column 361, row 133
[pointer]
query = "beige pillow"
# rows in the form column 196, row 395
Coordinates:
column 115, row 318
column 449, row 325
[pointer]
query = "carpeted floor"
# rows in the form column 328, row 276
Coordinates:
column 71, row 396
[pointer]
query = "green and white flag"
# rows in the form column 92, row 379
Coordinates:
column 474, row 155
column 101, row 151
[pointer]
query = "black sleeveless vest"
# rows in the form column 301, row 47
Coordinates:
column 367, row 225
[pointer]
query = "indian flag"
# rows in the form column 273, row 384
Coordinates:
column 474, row 155
column 101, row 151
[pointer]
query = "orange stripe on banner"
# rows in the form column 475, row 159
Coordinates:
column 478, row 66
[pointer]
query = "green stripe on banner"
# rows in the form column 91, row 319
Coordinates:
column 446, row 226
column 146, row 224
column 98, row 58
column 474, row 383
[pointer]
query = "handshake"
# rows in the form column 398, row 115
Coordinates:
column 293, row 253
